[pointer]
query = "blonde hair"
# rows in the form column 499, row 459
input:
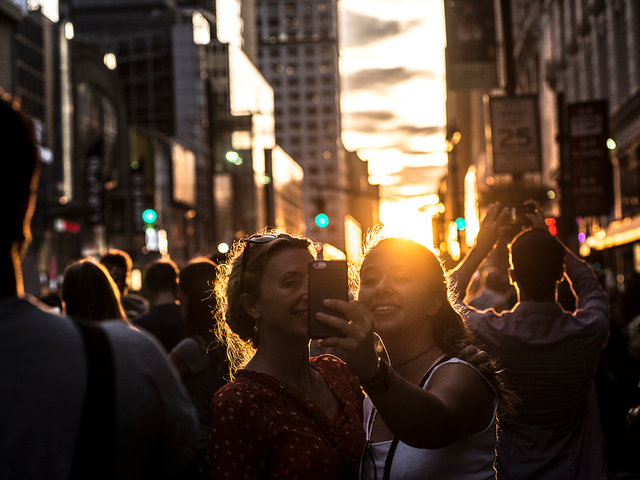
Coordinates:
column 233, row 325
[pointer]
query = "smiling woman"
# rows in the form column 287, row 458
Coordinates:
column 434, row 416
column 284, row 414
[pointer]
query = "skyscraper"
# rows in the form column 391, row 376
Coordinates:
column 298, row 55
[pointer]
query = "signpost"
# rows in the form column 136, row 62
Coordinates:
column 515, row 134
column 590, row 167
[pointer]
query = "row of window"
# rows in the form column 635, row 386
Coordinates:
column 312, row 140
column 300, row 7
column 297, row 81
column 309, row 97
column 297, row 111
column 295, row 51
column 315, row 156
column 294, row 22
column 323, row 36
column 155, row 67
column 142, row 46
column 295, row 67
column 310, row 126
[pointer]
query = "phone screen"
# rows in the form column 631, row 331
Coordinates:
column 327, row 279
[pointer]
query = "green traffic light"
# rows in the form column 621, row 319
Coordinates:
column 322, row 220
column 149, row 215
column 460, row 223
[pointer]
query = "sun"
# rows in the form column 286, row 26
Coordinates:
column 404, row 219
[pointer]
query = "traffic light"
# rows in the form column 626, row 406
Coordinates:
column 322, row 220
column 551, row 225
column 461, row 224
column 149, row 216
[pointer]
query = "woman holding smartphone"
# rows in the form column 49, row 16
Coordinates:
column 284, row 414
column 433, row 413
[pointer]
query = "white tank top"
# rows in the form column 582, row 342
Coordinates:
column 471, row 457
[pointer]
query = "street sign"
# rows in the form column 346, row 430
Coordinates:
column 591, row 176
column 515, row 133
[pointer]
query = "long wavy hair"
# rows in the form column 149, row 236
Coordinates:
column 233, row 325
column 449, row 328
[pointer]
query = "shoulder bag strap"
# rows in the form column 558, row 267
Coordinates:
column 304, row 409
column 386, row 475
column 94, row 453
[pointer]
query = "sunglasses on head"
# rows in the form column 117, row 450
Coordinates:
column 265, row 238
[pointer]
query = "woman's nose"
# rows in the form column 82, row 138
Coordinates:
column 383, row 285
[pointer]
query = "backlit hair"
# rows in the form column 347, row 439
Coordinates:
column 234, row 326
column 89, row 292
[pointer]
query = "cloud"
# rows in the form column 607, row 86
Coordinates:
column 372, row 79
column 429, row 177
column 423, row 131
column 381, row 121
column 362, row 29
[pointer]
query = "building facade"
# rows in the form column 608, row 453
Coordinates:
column 298, row 55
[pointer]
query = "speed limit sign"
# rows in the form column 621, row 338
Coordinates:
column 515, row 134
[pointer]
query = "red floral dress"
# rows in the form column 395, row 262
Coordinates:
column 257, row 433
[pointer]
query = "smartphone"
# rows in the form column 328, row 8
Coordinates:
column 517, row 214
column 327, row 279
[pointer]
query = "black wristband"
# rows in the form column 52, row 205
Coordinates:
column 381, row 380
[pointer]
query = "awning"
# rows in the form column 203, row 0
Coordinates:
column 617, row 233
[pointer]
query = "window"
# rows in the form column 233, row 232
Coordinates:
column 312, row 111
column 294, row 111
column 140, row 45
column 123, row 48
column 141, row 68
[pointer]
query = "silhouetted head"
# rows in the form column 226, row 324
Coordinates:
column 197, row 296
column 495, row 279
column 19, row 169
column 537, row 264
column 119, row 265
column 89, row 292
column 161, row 276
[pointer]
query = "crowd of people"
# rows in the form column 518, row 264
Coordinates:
column 209, row 375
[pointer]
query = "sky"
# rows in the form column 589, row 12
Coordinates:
column 393, row 103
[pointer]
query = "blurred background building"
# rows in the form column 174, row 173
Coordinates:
column 543, row 103
column 298, row 55
column 158, row 130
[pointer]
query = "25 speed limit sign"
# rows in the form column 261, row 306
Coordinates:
column 515, row 134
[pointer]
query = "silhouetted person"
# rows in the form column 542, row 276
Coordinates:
column 198, row 358
column 549, row 355
column 44, row 382
column 119, row 265
column 89, row 293
column 164, row 319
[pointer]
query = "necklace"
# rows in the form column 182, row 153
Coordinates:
column 417, row 356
